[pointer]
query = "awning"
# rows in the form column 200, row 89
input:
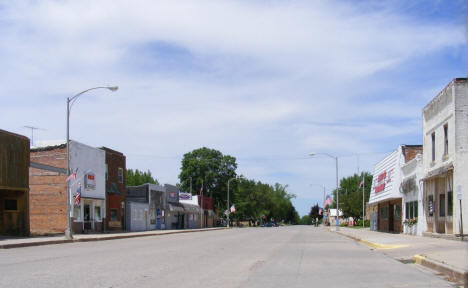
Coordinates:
column 190, row 208
column 439, row 171
column 176, row 207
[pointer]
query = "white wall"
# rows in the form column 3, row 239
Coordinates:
column 391, row 164
column 460, row 177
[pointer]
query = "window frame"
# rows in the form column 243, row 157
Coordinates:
column 446, row 139
column 120, row 176
column 433, row 146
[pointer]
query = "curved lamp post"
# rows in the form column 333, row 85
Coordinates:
column 70, row 102
column 337, row 194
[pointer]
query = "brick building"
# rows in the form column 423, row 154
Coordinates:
column 47, row 213
column 14, row 184
column 115, row 189
column 48, row 198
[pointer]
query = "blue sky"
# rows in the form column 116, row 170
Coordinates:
column 265, row 81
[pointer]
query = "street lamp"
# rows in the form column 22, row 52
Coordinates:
column 70, row 102
column 228, row 209
column 337, row 194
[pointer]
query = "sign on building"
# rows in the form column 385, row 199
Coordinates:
column 90, row 181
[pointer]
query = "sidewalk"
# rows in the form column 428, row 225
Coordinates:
column 8, row 243
column 449, row 257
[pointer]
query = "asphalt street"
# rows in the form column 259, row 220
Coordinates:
column 297, row 256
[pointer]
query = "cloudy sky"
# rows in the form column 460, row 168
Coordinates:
column 265, row 81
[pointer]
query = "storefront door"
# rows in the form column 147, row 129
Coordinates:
column 390, row 218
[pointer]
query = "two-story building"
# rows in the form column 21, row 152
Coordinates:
column 115, row 189
column 445, row 158
column 14, row 184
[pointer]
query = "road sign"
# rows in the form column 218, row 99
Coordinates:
column 459, row 192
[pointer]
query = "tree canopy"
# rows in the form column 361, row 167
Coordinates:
column 137, row 177
column 350, row 193
column 210, row 168
column 253, row 199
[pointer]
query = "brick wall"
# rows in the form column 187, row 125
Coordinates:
column 410, row 152
column 114, row 161
column 47, row 197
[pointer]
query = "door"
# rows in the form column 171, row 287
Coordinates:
column 390, row 218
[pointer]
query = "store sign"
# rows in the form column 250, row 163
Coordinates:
column 383, row 178
column 90, row 181
column 459, row 192
column 185, row 196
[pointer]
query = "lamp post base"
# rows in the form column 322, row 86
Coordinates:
column 68, row 234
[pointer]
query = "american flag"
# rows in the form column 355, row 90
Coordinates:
column 78, row 195
column 71, row 176
column 360, row 184
column 233, row 209
column 328, row 201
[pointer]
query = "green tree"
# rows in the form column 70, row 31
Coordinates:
column 306, row 220
column 137, row 177
column 350, row 193
column 210, row 168
column 315, row 213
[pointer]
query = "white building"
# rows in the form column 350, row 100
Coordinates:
column 445, row 139
column 386, row 197
column 414, row 220
column 90, row 164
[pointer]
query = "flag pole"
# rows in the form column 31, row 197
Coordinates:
column 363, row 199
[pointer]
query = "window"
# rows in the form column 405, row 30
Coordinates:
column 97, row 213
column 397, row 212
column 433, row 146
column 449, row 203
column 11, row 205
column 442, row 205
column 445, row 139
column 113, row 215
column 411, row 210
column 430, row 205
column 120, row 175
column 77, row 212
column 107, row 172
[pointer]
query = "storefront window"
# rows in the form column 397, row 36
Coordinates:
column 407, row 210
column 442, row 205
column 449, row 203
column 397, row 212
column 97, row 213
column 11, row 205
column 113, row 214
column 415, row 209
column 77, row 212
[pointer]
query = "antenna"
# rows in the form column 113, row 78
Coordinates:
column 32, row 132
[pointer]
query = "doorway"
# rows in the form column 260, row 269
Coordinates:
column 390, row 218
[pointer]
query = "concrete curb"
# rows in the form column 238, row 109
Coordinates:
column 103, row 238
column 454, row 274
column 374, row 245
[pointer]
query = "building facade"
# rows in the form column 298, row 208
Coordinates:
column 146, row 207
column 14, row 184
column 386, row 197
column 414, row 220
column 48, row 196
column 445, row 158
column 115, row 189
column 191, row 210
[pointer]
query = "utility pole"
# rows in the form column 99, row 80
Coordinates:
column 32, row 132
column 363, row 205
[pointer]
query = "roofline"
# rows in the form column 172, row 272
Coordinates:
column 48, row 148
column 454, row 80
column 14, row 134
column 111, row 150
